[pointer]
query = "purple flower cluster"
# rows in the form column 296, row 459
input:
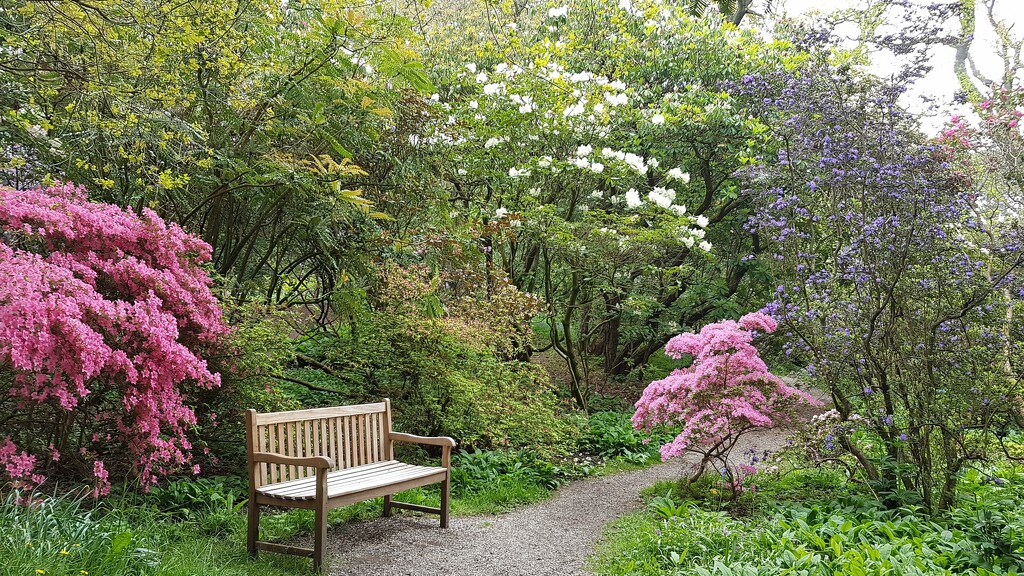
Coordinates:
column 891, row 291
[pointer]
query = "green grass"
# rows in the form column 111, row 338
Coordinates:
column 61, row 536
column 503, row 495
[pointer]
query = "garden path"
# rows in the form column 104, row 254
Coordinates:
column 551, row 538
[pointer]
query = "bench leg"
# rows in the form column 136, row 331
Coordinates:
column 319, row 537
column 253, row 531
column 445, row 493
column 387, row 505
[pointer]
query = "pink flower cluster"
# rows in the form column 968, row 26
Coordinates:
column 98, row 302
column 958, row 134
column 18, row 466
column 725, row 392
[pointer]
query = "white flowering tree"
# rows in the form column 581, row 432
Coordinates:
column 593, row 148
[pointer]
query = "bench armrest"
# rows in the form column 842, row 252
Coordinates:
column 310, row 461
column 428, row 440
column 444, row 442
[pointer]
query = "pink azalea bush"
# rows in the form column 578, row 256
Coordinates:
column 726, row 392
column 105, row 319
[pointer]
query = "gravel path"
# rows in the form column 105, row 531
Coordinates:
column 554, row 537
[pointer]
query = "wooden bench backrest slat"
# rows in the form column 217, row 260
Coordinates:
column 314, row 413
column 349, row 435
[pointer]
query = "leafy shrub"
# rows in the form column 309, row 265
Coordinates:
column 258, row 349
column 513, row 404
column 444, row 376
column 189, row 498
column 672, row 539
column 611, row 435
column 102, row 339
column 476, row 471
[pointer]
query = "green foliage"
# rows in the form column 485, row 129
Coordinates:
column 648, row 545
column 507, row 404
column 476, row 471
column 212, row 503
column 504, row 494
column 812, row 523
column 242, row 121
column 611, row 435
column 444, row 370
column 258, row 349
column 263, row 348
column 440, row 384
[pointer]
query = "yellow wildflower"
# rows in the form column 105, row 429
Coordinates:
column 40, row 571
column 86, row 572
column 64, row 552
column 714, row 492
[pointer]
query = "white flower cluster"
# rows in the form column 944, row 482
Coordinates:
column 586, row 90
column 619, row 99
column 663, row 197
column 690, row 236
column 634, row 161
column 678, row 174
column 558, row 12
column 633, row 200
column 629, row 8
column 526, row 104
column 586, row 164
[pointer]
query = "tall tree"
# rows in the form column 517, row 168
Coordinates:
column 240, row 119
column 596, row 168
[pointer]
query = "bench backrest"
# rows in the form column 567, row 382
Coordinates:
column 349, row 435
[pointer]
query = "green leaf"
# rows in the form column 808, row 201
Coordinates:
column 414, row 74
column 121, row 542
column 338, row 148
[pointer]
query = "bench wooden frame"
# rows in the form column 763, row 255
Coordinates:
column 323, row 458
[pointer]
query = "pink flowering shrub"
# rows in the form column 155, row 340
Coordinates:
column 726, row 392
column 105, row 319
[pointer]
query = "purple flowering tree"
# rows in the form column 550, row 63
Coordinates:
column 892, row 291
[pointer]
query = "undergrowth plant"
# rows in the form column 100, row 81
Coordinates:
column 59, row 536
column 813, row 522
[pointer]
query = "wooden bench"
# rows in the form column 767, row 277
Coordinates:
column 322, row 458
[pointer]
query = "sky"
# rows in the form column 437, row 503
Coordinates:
column 941, row 82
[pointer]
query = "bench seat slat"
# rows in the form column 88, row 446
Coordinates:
column 341, row 488
column 301, row 484
column 392, row 470
column 351, row 480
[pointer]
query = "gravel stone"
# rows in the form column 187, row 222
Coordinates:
column 551, row 538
